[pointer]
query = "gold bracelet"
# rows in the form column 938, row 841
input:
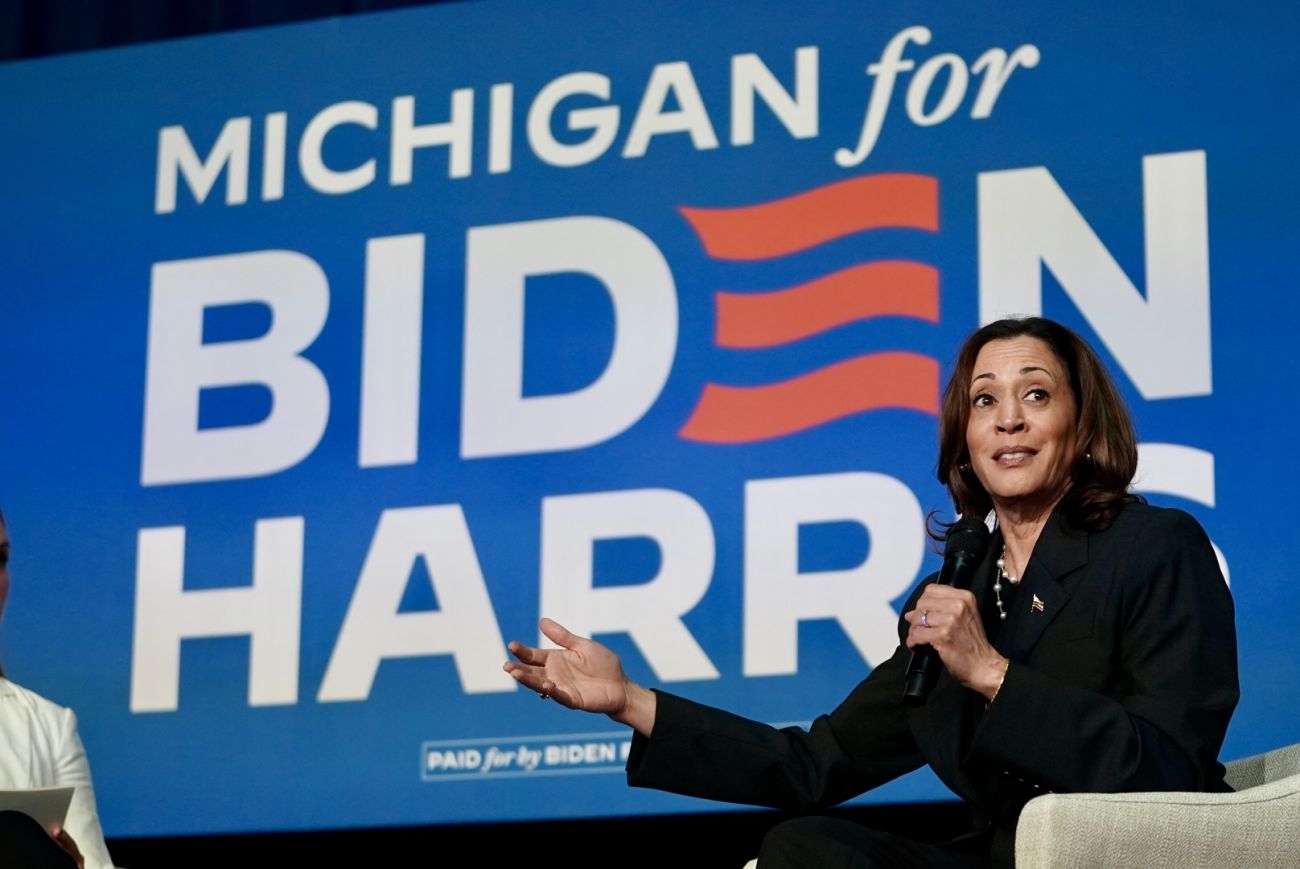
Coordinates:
column 1001, row 679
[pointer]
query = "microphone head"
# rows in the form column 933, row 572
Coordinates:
column 968, row 539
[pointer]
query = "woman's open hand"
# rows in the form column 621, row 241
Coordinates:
column 581, row 674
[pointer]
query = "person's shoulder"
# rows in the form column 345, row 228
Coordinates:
column 24, row 702
column 1155, row 524
column 1149, row 542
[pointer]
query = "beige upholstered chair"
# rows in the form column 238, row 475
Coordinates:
column 1258, row 826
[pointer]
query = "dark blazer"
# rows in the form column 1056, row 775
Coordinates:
column 1123, row 680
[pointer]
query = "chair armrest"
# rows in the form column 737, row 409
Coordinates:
column 1255, row 827
column 1261, row 768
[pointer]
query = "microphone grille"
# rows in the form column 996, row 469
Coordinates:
column 968, row 538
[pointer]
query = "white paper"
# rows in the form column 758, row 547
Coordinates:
column 49, row 806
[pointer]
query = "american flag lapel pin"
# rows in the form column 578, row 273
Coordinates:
column 1037, row 605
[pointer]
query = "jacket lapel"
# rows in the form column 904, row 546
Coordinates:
column 946, row 716
column 1059, row 553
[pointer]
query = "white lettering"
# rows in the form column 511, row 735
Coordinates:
column 500, row 128
column 778, row 597
column 690, row 116
column 312, row 164
column 390, row 365
column 268, row 611
column 997, row 69
column 650, row 612
column 750, row 77
column 456, row 133
column 601, row 120
column 953, row 92
column 464, row 627
column 176, row 154
column 273, row 139
column 1162, row 341
column 496, row 418
column 465, row 758
column 180, row 366
column 886, row 71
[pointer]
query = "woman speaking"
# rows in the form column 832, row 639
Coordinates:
column 1095, row 650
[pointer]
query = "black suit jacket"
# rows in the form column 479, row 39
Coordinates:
column 1123, row 680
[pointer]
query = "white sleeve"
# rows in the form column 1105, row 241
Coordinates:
column 72, row 768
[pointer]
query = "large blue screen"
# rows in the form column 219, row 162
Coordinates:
column 335, row 354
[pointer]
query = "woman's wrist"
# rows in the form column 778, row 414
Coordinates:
column 638, row 710
column 992, row 677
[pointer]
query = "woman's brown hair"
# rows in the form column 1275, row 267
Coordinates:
column 1107, row 443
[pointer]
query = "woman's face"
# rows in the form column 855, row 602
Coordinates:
column 1021, row 431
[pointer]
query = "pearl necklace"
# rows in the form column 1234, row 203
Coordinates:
column 997, row 583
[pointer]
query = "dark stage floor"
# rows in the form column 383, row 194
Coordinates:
column 724, row 840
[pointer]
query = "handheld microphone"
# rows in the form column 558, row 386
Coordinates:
column 964, row 549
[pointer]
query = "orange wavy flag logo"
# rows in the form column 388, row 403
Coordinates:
column 755, row 321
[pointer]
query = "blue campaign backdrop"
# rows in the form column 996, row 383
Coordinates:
column 741, row 324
